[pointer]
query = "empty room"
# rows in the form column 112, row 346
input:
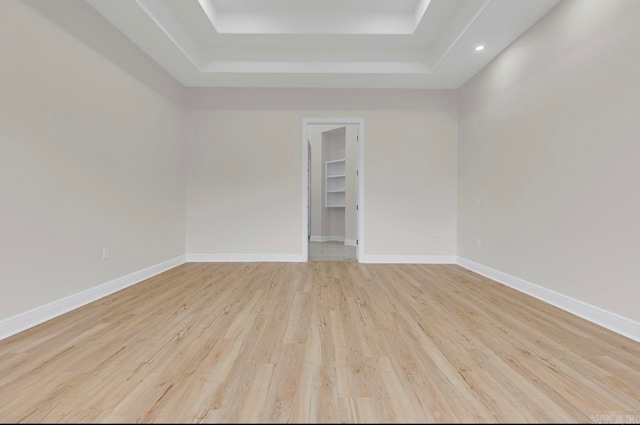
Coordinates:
column 336, row 211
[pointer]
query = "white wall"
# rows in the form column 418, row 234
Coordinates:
column 244, row 168
column 90, row 155
column 550, row 144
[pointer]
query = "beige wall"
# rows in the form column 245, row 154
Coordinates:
column 90, row 155
column 549, row 144
column 244, row 168
column 242, row 179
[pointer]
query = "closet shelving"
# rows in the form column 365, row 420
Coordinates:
column 335, row 183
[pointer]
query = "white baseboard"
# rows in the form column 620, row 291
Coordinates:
column 244, row 258
column 614, row 322
column 33, row 317
column 327, row 238
column 319, row 238
column 350, row 242
column 409, row 259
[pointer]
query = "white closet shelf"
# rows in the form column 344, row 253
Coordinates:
column 335, row 183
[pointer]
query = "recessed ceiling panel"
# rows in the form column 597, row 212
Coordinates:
column 315, row 6
column 374, row 17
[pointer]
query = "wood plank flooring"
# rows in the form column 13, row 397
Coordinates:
column 318, row 342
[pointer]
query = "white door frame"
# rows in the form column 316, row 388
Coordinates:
column 359, row 180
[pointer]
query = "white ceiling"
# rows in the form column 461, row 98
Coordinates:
column 322, row 43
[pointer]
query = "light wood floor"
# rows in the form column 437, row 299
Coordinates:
column 318, row 342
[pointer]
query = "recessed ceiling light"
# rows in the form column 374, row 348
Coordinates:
column 480, row 47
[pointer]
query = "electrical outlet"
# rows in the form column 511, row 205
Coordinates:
column 105, row 254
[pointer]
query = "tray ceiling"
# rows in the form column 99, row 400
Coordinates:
column 328, row 43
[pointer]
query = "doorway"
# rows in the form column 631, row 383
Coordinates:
column 333, row 192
